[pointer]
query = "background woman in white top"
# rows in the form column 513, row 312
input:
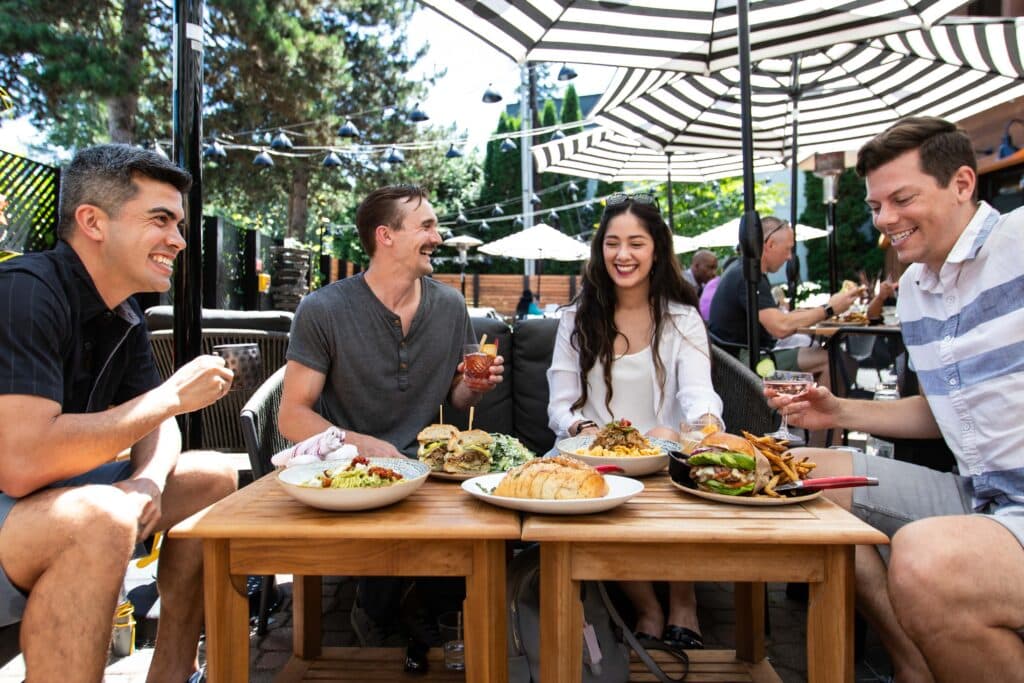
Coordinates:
column 633, row 345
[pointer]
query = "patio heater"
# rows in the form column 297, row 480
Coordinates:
column 829, row 167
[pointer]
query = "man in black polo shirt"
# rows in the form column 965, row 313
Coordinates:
column 728, row 320
column 78, row 386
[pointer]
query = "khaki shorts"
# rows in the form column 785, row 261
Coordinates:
column 908, row 492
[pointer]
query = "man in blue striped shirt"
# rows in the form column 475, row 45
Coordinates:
column 949, row 602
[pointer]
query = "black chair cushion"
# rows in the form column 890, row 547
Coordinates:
column 162, row 318
column 534, row 346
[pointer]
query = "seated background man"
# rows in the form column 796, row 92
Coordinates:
column 78, row 385
column 949, row 605
column 728, row 320
column 378, row 353
column 703, row 268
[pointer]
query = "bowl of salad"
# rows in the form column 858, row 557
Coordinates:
column 360, row 483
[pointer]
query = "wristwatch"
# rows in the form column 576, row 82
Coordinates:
column 829, row 311
column 583, row 424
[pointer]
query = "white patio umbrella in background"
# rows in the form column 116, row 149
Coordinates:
column 538, row 243
column 463, row 243
column 724, row 235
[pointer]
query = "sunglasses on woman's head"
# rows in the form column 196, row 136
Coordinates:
column 620, row 198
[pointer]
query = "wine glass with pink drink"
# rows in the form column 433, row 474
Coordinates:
column 787, row 383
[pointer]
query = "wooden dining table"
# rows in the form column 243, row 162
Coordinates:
column 437, row 531
column 669, row 535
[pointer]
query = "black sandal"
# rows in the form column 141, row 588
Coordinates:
column 682, row 638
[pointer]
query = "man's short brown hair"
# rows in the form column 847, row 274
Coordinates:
column 941, row 145
column 104, row 176
column 382, row 207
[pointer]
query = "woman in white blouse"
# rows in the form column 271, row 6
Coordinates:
column 633, row 345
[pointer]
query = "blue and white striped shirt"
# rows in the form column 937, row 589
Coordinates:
column 964, row 330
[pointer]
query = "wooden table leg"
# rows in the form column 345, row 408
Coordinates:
column 307, row 616
column 227, row 617
column 561, row 616
column 750, row 610
column 484, row 615
column 830, row 619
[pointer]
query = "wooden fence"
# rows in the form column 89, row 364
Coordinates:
column 502, row 292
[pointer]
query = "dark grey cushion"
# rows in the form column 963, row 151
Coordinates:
column 534, row 346
column 162, row 318
column 494, row 412
column 745, row 406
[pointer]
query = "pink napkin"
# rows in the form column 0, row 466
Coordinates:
column 327, row 445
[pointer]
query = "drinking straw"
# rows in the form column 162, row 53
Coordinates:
column 471, row 408
column 483, row 338
column 440, row 410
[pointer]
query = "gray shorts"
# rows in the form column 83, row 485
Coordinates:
column 12, row 598
column 908, row 492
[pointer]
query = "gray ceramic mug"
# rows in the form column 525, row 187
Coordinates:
column 243, row 360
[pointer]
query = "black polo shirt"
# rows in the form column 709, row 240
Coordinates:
column 727, row 318
column 59, row 340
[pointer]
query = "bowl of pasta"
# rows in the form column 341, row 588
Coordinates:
column 622, row 445
column 359, row 483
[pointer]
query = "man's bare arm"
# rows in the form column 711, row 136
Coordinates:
column 297, row 420
column 39, row 444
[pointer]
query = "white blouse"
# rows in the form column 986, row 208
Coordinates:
column 632, row 377
column 684, row 353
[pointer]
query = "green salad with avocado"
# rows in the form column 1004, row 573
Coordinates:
column 508, row 452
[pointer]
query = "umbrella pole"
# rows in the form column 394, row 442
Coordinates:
column 671, row 213
column 794, row 93
column 750, row 226
column 188, row 134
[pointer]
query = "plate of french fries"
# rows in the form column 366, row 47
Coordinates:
column 785, row 469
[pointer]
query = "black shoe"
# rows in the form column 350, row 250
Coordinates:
column 682, row 638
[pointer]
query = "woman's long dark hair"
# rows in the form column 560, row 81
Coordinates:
column 595, row 331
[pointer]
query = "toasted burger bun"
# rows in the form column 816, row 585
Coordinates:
column 436, row 432
column 729, row 442
column 434, row 442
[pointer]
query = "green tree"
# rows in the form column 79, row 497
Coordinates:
column 308, row 70
column 571, row 110
column 71, row 63
column 856, row 239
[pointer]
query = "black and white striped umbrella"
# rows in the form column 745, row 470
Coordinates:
column 606, row 155
column 844, row 95
column 698, row 36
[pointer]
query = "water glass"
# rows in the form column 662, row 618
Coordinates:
column 449, row 625
column 243, row 360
